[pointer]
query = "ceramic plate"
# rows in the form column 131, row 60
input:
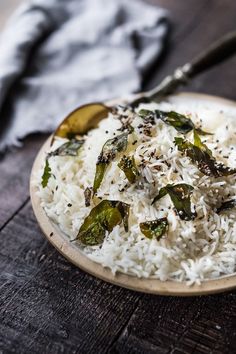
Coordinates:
column 76, row 256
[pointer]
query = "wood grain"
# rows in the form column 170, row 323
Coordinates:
column 196, row 24
column 14, row 171
column 49, row 306
column 190, row 325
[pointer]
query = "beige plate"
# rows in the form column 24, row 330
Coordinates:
column 74, row 254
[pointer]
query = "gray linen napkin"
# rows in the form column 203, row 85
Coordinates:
column 58, row 54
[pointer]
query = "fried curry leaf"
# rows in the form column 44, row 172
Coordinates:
column 179, row 121
column 201, row 155
column 229, row 204
column 199, row 144
column 109, row 152
column 155, row 228
column 180, row 195
column 47, row 172
column 103, row 217
column 128, row 166
column 99, row 174
column 70, row 148
column 124, row 211
column 147, row 116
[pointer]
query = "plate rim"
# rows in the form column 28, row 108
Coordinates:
column 146, row 285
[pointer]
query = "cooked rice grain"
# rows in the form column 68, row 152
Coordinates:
column 204, row 248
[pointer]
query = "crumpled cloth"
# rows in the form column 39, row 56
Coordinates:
column 58, row 54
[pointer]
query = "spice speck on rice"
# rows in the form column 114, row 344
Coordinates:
column 150, row 192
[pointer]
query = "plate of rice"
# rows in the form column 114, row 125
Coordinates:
column 146, row 199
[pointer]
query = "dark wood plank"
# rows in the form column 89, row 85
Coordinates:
column 210, row 20
column 15, row 170
column 204, row 324
column 49, row 306
column 174, row 325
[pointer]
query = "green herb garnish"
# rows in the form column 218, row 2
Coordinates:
column 102, row 218
column 179, row 121
column 109, row 152
column 202, row 156
column 70, row 148
column 47, row 172
column 155, row 228
column 128, row 166
column 180, row 195
column 229, row 204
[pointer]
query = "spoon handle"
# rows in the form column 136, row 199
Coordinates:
column 219, row 51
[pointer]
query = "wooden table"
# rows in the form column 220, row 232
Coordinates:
column 49, row 306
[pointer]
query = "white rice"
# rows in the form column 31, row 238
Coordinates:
column 192, row 251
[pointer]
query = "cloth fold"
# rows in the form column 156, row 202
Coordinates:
column 58, row 54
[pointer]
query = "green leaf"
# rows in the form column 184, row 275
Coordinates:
column 229, row 204
column 109, row 152
column 201, row 155
column 199, row 144
column 47, row 172
column 155, row 228
column 179, row 121
column 124, row 211
column 99, row 174
column 70, row 148
column 180, row 195
column 148, row 116
column 128, row 166
column 144, row 113
column 202, row 132
column 104, row 217
column 92, row 235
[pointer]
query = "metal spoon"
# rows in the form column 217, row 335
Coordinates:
column 86, row 117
